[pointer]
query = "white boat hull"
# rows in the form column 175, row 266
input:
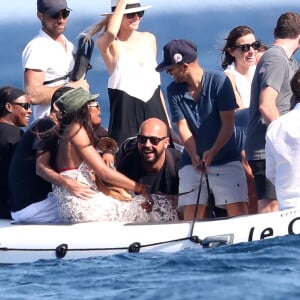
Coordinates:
column 21, row 243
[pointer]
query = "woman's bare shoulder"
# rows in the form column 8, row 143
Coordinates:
column 75, row 132
column 147, row 35
column 148, row 38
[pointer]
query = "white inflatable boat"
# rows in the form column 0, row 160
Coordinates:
column 22, row 243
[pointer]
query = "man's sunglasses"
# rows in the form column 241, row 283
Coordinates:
column 132, row 15
column 246, row 47
column 154, row 140
column 63, row 13
column 26, row 105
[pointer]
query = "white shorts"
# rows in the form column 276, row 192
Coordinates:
column 45, row 211
column 227, row 182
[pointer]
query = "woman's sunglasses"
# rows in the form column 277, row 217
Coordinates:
column 94, row 104
column 26, row 105
column 246, row 47
column 132, row 15
column 63, row 13
column 154, row 140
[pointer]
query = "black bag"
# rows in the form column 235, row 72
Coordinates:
column 82, row 58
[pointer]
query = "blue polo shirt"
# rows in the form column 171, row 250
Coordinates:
column 203, row 115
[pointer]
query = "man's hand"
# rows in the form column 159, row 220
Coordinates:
column 197, row 163
column 208, row 157
column 79, row 189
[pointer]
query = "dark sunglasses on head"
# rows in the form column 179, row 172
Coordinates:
column 63, row 13
column 132, row 15
column 26, row 105
column 154, row 140
column 246, row 47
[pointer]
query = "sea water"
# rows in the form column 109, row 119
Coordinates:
column 268, row 269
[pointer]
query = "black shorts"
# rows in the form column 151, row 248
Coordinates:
column 264, row 187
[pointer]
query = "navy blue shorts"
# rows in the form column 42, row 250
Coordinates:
column 264, row 187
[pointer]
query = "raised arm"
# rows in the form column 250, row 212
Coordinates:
column 106, row 41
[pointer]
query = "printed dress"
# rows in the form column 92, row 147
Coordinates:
column 102, row 208
column 134, row 93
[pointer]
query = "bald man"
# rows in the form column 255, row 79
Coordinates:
column 152, row 162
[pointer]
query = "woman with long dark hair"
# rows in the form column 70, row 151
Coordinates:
column 77, row 157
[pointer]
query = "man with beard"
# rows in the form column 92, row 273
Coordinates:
column 152, row 162
column 48, row 58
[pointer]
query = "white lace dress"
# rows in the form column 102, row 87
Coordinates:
column 102, row 208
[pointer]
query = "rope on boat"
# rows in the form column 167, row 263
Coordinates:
column 62, row 249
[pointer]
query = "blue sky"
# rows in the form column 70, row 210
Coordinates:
column 26, row 9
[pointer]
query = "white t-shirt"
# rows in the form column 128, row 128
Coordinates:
column 283, row 158
column 45, row 54
column 242, row 83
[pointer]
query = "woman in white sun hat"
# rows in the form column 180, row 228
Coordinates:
column 130, row 57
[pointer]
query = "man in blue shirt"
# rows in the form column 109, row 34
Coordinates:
column 202, row 104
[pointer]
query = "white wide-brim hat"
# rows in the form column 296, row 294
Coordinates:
column 131, row 7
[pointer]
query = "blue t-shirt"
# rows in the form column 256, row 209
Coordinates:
column 203, row 116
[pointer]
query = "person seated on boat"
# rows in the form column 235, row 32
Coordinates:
column 283, row 153
column 15, row 111
column 77, row 157
column 148, row 159
column 32, row 172
column 202, row 103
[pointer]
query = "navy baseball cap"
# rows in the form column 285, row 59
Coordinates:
column 51, row 6
column 177, row 52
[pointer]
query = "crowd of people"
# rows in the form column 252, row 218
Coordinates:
column 237, row 129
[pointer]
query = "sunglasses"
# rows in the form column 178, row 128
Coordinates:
column 63, row 13
column 94, row 104
column 170, row 69
column 26, row 105
column 246, row 47
column 154, row 140
column 132, row 15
